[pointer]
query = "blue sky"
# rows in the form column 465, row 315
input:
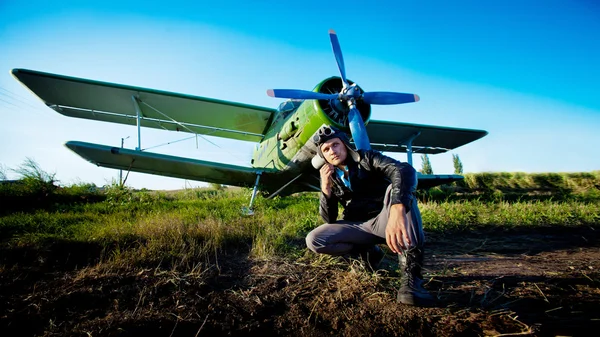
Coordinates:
column 525, row 71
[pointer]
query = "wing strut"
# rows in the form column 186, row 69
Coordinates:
column 122, row 183
column 409, row 151
column 138, row 119
column 248, row 210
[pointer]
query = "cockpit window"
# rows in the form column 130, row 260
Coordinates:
column 289, row 106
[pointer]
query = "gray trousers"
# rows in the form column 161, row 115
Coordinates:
column 343, row 237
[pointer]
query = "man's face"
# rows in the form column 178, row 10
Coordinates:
column 334, row 151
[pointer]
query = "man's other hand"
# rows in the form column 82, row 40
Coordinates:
column 326, row 172
column 396, row 232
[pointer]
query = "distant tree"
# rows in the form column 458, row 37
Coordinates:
column 458, row 166
column 426, row 165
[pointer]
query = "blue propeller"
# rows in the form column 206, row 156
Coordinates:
column 382, row 97
column 299, row 94
column 349, row 95
column 337, row 52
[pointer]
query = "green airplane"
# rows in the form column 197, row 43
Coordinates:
column 282, row 162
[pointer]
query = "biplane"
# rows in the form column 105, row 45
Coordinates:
column 281, row 162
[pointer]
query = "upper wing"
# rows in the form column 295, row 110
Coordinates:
column 392, row 136
column 109, row 102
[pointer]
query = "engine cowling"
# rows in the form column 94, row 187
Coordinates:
column 336, row 111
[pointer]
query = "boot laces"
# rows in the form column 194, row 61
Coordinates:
column 412, row 271
column 411, row 277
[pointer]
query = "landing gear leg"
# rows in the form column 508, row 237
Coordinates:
column 248, row 210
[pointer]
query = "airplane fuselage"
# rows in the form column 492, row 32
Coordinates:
column 287, row 143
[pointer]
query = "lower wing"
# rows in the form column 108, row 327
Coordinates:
column 165, row 165
column 428, row 139
column 271, row 182
column 431, row 180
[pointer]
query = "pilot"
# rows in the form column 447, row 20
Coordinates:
column 377, row 194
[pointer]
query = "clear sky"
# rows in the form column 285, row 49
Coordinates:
column 526, row 71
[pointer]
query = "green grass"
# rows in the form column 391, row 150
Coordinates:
column 174, row 228
column 576, row 181
column 519, row 186
column 465, row 215
column 178, row 229
column 181, row 227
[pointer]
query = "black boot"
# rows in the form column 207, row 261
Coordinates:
column 411, row 290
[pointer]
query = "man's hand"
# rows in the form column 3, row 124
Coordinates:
column 396, row 232
column 326, row 172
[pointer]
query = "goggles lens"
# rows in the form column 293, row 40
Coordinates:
column 322, row 134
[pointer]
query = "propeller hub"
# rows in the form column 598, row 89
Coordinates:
column 351, row 92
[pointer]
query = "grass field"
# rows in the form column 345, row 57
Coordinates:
column 76, row 260
column 186, row 223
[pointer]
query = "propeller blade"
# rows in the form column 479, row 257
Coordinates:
column 383, row 98
column 337, row 52
column 358, row 130
column 299, row 94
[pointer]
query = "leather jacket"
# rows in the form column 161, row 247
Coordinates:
column 369, row 179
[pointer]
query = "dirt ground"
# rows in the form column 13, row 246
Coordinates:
column 539, row 282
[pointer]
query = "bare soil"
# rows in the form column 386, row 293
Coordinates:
column 538, row 282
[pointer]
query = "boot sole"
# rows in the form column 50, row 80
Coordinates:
column 415, row 301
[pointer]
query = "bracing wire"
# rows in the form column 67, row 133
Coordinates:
column 183, row 126
column 169, row 143
column 15, row 97
column 9, row 103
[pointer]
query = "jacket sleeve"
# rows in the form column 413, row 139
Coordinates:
column 328, row 208
column 402, row 176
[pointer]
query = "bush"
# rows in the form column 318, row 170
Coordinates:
column 217, row 187
column 38, row 189
column 35, row 180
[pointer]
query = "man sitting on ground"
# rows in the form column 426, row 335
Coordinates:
column 378, row 196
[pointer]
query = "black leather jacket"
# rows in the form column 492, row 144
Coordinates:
column 369, row 180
